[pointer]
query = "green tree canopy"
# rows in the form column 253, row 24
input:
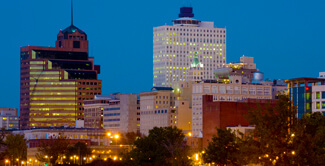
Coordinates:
column 223, row 149
column 309, row 140
column 163, row 146
column 79, row 149
column 279, row 138
column 16, row 147
column 51, row 149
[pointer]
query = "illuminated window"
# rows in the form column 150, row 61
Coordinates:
column 317, row 105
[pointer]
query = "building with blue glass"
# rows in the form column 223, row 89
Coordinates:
column 307, row 94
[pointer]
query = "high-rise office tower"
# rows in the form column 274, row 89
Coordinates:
column 56, row 80
column 174, row 48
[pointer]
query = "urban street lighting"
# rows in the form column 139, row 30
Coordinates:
column 116, row 137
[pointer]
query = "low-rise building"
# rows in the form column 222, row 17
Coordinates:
column 307, row 94
column 157, row 109
column 234, row 90
column 223, row 114
column 95, row 138
column 118, row 113
column 9, row 118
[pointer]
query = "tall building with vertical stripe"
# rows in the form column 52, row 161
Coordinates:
column 174, row 48
column 54, row 81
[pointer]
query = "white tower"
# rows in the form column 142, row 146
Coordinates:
column 173, row 47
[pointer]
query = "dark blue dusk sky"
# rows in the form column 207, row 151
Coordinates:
column 286, row 37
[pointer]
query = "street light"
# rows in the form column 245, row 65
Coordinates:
column 6, row 161
column 116, row 137
column 190, row 134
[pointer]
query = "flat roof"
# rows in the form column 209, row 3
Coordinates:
column 303, row 79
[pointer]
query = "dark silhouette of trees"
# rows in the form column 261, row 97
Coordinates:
column 16, row 147
column 51, row 149
column 279, row 138
column 163, row 146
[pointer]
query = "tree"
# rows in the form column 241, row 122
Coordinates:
column 79, row 149
column 223, row 149
column 163, row 146
column 16, row 147
column 271, row 138
column 2, row 142
column 309, row 140
column 51, row 149
column 279, row 138
column 131, row 137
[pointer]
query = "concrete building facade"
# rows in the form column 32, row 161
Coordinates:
column 174, row 47
column 9, row 118
column 157, row 109
column 234, row 90
column 118, row 113
column 223, row 114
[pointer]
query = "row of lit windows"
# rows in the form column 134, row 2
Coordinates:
column 197, row 30
column 52, row 109
column 46, row 72
column 54, row 114
column 51, row 119
column 53, row 83
column 53, row 104
column 53, row 98
column 45, row 78
column 36, row 67
column 37, row 62
column 53, row 88
column 53, row 93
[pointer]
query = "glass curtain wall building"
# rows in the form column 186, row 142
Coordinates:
column 56, row 80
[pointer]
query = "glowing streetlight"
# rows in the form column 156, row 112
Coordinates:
column 109, row 134
column 293, row 152
column 116, row 137
column 190, row 134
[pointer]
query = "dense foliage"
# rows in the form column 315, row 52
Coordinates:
column 50, row 150
column 279, row 138
column 163, row 146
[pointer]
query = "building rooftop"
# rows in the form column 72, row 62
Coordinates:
column 72, row 29
column 162, row 88
column 304, row 79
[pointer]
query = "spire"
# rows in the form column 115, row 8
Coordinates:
column 196, row 62
column 71, row 12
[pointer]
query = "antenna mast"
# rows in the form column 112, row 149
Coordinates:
column 71, row 12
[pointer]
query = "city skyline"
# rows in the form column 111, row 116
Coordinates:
column 257, row 29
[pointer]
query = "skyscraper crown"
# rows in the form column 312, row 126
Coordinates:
column 186, row 12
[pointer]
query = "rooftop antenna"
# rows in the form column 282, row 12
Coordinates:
column 71, row 12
